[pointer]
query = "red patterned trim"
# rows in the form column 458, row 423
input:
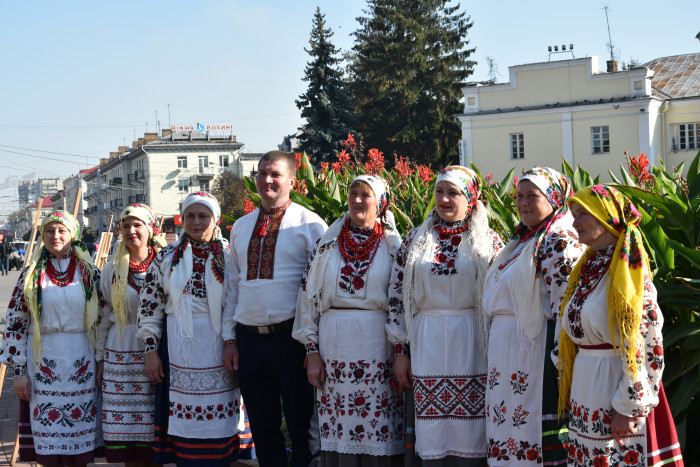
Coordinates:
column 263, row 242
column 454, row 397
column 401, row 349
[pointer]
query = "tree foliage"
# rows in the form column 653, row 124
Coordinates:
column 326, row 104
column 230, row 191
column 410, row 59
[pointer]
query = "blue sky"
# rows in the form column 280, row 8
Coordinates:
column 83, row 77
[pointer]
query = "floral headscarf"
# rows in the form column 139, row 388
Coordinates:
column 36, row 270
column 120, row 298
column 625, row 290
column 556, row 187
column 465, row 179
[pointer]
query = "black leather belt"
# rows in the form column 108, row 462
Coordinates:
column 270, row 328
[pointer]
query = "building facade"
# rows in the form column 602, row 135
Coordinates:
column 571, row 109
column 161, row 172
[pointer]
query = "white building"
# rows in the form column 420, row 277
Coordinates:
column 572, row 109
column 161, row 172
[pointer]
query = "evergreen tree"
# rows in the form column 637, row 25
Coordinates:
column 326, row 104
column 410, row 60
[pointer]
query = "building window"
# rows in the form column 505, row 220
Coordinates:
column 203, row 163
column 223, row 161
column 181, row 162
column 204, row 185
column 183, row 185
column 517, row 146
column 600, row 139
column 685, row 136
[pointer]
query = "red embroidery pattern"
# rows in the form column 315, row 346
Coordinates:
column 261, row 249
column 522, row 450
column 449, row 396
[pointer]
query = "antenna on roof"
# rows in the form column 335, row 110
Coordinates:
column 610, row 42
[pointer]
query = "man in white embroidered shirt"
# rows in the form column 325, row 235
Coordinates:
column 269, row 251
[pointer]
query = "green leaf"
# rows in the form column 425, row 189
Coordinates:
column 250, row 184
column 613, row 177
column 688, row 388
column 306, row 171
column 691, row 255
column 404, row 222
column 504, row 188
column 680, row 332
column 657, row 240
column 301, row 200
column 694, row 169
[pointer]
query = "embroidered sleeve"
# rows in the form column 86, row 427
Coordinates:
column 104, row 294
column 14, row 345
column 396, row 322
column 305, row 323
column 228, row 324
column 561, row 252
column 637, row 397
column 496, row 243
column 152, row 300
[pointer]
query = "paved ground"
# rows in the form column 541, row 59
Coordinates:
column 8, row 401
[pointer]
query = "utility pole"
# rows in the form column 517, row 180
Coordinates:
column 99, row 205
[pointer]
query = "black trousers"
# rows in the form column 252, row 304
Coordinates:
column 272, row 366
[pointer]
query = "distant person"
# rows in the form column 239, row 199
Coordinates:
column 49, row 340
column 5, row 251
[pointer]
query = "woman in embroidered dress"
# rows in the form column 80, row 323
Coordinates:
column 340, row 319
column 522, row 294
column 435, row 307
column 50, row 340
column 610, row 314
column 199, row 417
column 128, row 428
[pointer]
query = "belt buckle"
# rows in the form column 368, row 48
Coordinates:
column 263, row 330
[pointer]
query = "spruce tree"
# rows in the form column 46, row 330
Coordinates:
column 410, row 60
column 326, row 104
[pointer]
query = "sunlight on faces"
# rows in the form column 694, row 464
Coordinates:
column 532, row 205
column 57, row 239
column 199, row 223
column 274, row 182
column 590, row 231
column 450, row 203
column 134, row 235
column 362, row 204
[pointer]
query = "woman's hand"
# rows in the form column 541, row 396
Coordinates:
column 99, row 372
column 230, row 357
column 402, row 371
column 622, row 426
column 315, row 370
column 23, row 388
column 154, row 367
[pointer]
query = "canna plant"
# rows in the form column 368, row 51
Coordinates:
column 670, row 208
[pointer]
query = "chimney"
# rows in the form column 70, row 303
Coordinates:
column 103, row 160
column 612, row 66
column 122, row 149
column 166, row 132
column 112, row 155
column 150, row 137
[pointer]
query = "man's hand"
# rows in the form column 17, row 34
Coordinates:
column 154, row 367
column 23, row 387
column 315, row 370
column 230, row 357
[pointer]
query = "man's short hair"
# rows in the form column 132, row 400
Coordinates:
column 274, row 156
